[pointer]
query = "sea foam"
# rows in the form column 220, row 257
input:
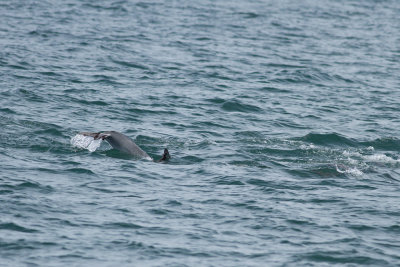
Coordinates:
column 86, row 142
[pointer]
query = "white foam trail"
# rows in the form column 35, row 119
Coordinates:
column 86, row 142
column 381, row 158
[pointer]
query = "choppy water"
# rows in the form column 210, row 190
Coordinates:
column 282, row 119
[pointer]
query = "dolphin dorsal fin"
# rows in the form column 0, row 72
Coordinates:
column 166, row 156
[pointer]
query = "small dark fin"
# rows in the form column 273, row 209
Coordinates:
column 165, row 156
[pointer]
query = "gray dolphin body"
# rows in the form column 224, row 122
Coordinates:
column 125, row 144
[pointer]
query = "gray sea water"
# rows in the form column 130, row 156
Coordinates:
column 281, row 117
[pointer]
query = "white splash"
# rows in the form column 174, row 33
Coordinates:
column 352, row 171
column 86, row 142
column 148, row 158
column 349, row 153
column 307, row 147
column 381, row 158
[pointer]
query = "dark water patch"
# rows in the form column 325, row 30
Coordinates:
column 303, row 173
column 129, row 244
column 105, row 80
column 73, row 163
column 329, row 109
column 329, row 182
column 326, row 200
column 75, row 256
column 216, row 100
column 105, row 190
column 122, row 225
column 134, row 65
column 332, row 257
column 385, row 143
column 16, row 227
column 173, row 203
column 360, row 227
column 28, row 186
column 211, row 134
column 250, row 163
column 389, row 176
column 274, row 90
column 40, row 148
column 227, row 181
column 80, row 171
column 328, row 139
column 36, row 124
column 29, row 78
column 296, row 154
column 63, row 222
column 284, row 66
column 393, row 229
column 250, row 205
column 22, row 244
column 361, row 187
column 154, row 146
column 7, row 111
column 259, row 182
column 298, row 76
column 290, row 124
column 91, row 102
column 75, row 80
column 219, row 76
column 187, row 252
column 159, row 211
column 203, row 39
column 209, row 125
column 51, row 131
column 31, row 96
column 300, row 222
column 189, row 160
column 273, row 185
column 80, row 91
column 326, row 172
column 248, row 15
column 250, row 137
column 142, row 111
column 19, row 66
column 237, row 106
column 50, row 73
column 216, row 66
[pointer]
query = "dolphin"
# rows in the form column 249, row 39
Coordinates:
column 125, row 144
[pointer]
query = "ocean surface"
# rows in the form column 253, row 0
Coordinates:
column 281, row 117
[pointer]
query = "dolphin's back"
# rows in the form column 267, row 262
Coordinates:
column 124, row 143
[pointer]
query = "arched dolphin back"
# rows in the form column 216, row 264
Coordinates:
column 124, row 143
